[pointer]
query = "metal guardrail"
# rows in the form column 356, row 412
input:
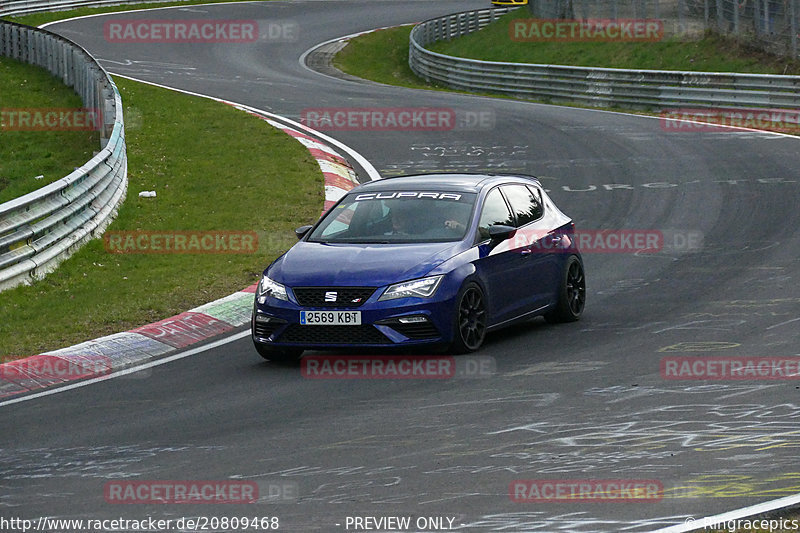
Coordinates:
column 44, row 227
column 602, row 87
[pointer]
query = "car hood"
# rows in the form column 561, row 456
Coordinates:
column 320, row 264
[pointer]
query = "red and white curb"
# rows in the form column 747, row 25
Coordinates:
column 118, row 351
column 115, row 352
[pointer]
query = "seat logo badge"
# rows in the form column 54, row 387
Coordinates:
column 330, row 296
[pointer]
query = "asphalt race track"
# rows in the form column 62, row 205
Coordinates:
column 570, row 402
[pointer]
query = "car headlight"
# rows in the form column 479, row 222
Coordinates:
column 421, row 288
column 267, row 287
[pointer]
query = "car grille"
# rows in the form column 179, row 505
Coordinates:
column 364, row 334
column 424, row 330
column 345, row 296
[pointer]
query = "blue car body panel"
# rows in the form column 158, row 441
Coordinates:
column 322, row 264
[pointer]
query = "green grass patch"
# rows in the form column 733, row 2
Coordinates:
column 213, row 168
column 712, row 53
column 380, row 56
column 37, row 19
column 25, row 155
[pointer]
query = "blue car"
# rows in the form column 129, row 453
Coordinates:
column 433, row 260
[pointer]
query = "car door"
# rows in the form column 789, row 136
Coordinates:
column 535, row 274
column 500, row 266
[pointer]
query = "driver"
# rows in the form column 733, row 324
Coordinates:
column 402, row 220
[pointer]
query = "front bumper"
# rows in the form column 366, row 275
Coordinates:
column 384, row 324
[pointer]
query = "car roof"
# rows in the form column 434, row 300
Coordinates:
column 465, row 182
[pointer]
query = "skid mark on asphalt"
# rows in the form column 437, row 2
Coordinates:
column 618, row 393
column 86, row 461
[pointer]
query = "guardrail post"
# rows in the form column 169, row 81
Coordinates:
column 107, row 114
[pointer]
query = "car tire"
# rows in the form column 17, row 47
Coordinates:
column 286, row 356
column 469, row 324
column 571, row 293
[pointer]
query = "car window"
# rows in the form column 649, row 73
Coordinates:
column 397, row 217
column 341, row 221
column 525, row 203
column 495, row 212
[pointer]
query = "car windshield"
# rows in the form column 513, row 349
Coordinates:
column 391, row 217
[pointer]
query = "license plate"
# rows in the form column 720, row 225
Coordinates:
column 330, row 318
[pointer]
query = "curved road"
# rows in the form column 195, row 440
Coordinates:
column 569, row 402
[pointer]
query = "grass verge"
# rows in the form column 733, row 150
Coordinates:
column 380, row 56
column 26, row 155
column 213, row 168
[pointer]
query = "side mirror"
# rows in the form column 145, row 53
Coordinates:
column 302, row 230
column 499, row 233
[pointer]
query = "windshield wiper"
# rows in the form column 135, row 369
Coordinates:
column 353, row 242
